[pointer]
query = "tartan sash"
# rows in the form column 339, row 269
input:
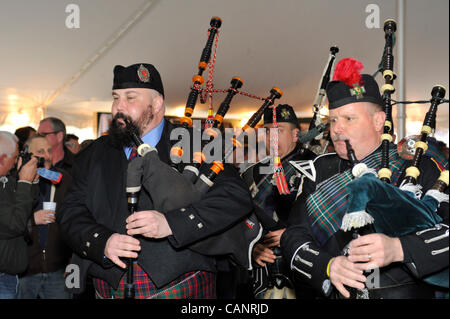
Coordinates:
column 328, row 204
column 436, row 155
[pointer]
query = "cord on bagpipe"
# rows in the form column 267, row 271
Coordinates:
column 366, row 193
column 207, row 180
column 397, row 211
column 421, row 146
column 156, row 177
column 406, row 146
column 385, row 67
column 209, row 86
column 191, row 170
column 198, row 80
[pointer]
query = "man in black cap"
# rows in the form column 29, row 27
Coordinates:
column 273, row 207
column 94, row 217
column 315, row 243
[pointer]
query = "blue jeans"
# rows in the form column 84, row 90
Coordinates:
column 45, row 285
column 8, row 286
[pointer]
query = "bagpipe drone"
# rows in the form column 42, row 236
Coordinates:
column 149, row 172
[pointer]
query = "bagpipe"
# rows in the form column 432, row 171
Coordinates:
column 387, row 90
column 207, row 180
column 397, row 211
column 191, row 170
column 149, row 172
column 376, row 205
column 316, row 125
column 171, row 189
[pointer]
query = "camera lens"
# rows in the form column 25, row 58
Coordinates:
column 41, row 162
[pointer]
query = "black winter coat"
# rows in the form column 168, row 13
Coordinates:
column 96, row 207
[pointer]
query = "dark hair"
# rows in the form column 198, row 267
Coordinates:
column 441, row 144
column 23, row 133
column 85, row 144
column 71, row 136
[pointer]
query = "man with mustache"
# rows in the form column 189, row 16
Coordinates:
column 314, row 244
column 95, row 218
column 48, row 256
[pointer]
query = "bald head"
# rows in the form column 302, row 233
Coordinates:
column 40, row 147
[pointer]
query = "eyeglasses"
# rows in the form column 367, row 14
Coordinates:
column 44, row 134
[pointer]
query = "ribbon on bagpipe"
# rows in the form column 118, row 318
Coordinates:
column 278, row 172
column 198, row 80
column 170, row 191
column 398, row 211
column 207, row 180
column 156, row 177
column 191, row 170
column 150, row 173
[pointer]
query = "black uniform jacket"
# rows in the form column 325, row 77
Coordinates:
column 309, row 260
column 96, row 207
column 273, row 200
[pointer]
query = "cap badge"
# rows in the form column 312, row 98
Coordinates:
column 143, row 74
column 358, row 91
column 285, row 114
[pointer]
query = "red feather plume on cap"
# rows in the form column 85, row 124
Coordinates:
column 348, row 70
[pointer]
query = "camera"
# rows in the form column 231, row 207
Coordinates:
column 26, row 156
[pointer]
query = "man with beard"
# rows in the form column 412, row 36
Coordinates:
column 95, row 219
column 314, row 244
column 48, row 256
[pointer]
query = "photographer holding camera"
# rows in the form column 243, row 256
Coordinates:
column 48, row 256
column 17, row 196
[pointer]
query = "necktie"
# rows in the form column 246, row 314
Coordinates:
column 134, row 153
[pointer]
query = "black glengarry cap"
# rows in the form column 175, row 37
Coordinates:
column 140, row 75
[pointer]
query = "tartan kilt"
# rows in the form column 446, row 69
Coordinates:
column 191, row 285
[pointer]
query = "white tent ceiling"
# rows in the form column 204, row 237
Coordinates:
column 267, row 43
